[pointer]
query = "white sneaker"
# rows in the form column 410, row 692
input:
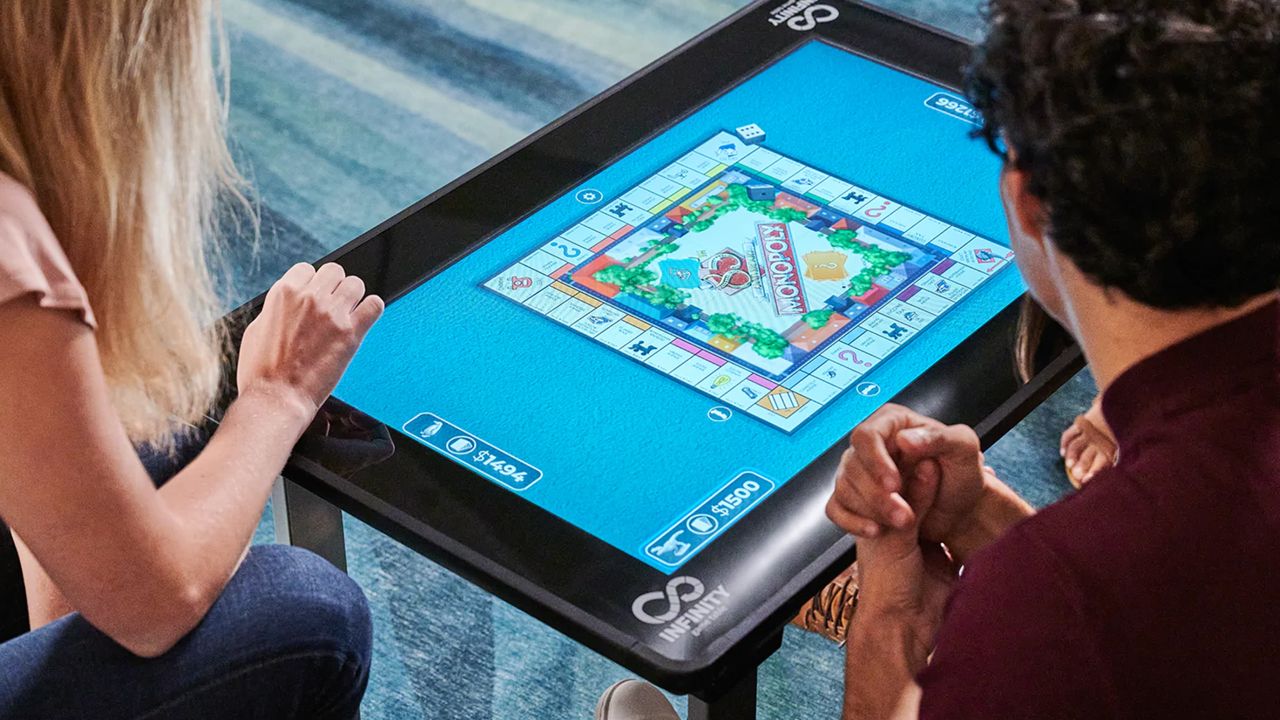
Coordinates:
column 634, row 700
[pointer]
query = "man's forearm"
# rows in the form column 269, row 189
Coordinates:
column 881, row 662
column 999, row 509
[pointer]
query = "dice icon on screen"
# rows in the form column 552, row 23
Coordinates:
column 751, row 134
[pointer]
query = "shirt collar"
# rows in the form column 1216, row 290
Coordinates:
column 1239, row 355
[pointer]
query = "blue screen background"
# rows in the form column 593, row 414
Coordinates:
column 624, row 450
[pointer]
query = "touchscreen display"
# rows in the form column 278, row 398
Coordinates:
column 651, row 355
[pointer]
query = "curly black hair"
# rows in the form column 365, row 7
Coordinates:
column 1150, row 131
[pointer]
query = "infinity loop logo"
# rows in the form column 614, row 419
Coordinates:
column 803, row 15
column 674, row 597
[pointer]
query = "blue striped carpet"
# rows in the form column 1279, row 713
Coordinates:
column 346, row 111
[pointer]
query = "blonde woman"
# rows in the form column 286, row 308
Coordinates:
column 146, row 602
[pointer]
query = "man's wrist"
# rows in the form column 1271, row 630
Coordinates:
column 998, row 509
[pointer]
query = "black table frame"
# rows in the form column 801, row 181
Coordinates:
column 306, row 519
column 308, row 511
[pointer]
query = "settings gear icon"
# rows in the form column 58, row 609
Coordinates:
column 589, row 196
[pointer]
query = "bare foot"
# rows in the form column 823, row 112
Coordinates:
column 1087, row 446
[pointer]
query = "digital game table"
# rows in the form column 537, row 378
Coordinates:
column 620, row 361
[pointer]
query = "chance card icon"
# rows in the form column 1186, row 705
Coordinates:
column 878, row 211
column 568, row 252
column 848, row 356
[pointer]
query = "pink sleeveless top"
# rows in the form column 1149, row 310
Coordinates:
column 31, row 260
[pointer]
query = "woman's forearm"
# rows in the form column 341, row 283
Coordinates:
column 291, row 357
column 217, row 500
column 140, row 565
column 45, row 602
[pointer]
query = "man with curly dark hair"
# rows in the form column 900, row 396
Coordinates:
column 1142, row 153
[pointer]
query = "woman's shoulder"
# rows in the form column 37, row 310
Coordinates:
column 32, row 262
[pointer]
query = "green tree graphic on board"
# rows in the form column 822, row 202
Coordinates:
column 636, row 279
column 642, row 283
column 817, row 319
column 878, row 260
column 766, row 342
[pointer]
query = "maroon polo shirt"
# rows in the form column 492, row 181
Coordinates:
column 1155, row 590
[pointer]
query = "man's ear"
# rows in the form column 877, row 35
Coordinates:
column 1020, row 204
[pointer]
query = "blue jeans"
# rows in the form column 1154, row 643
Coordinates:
column 290, row 637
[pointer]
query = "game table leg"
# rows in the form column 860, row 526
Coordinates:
column 305, row 520
column 737, row 702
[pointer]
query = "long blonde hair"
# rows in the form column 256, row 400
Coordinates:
column 111, row 114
